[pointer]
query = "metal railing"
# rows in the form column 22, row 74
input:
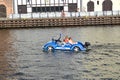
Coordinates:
column 59, row 14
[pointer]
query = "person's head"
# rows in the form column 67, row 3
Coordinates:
column 70, row 38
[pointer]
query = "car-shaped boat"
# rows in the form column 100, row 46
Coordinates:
column 54, row 45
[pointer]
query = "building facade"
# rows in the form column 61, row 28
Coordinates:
column 38, row 6
column 5, row 8
column 32, row 6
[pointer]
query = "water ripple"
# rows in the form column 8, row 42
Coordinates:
column 22, row 58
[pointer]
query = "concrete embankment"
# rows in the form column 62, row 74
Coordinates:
column 58, row 22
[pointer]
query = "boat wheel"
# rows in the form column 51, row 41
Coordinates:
column 50, row 48
column 76, row 49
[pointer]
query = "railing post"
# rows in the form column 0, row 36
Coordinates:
column 96, row 14
column 20, row 15
column 32, row 15
column 112, row 13
column 39, row 15
column 79, row 14
column 89, row 14
column 118, row 13
column 70, row 14
column 12, row 16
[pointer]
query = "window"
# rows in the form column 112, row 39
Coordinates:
column 97, row 2
column 22, row 9
column 47, row 9
column 107, row 5
column 2, row 11
column 28, row 0
column 72, row 7
column 90, row 6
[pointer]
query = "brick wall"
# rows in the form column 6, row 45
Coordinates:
column 8, row 5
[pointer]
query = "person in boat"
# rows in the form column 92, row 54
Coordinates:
column 66, row 39
column 70, row 40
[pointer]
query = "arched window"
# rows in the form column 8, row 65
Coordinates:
column 90, row 6
column 2, row 11
column 107, row 5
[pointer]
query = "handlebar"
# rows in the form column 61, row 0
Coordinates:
column 57, row 40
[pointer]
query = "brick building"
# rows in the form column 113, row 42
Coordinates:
column 5, row 8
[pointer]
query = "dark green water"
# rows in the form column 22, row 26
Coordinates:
column 21, row 56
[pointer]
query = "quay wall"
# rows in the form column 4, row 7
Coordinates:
column 58, row 22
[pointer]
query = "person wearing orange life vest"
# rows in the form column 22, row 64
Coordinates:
column 66, row 39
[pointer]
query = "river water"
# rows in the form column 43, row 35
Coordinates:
column 21, row 56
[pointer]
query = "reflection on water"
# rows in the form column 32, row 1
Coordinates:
column 21, row 56
column 6, row 68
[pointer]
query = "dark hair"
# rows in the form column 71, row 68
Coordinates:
column 70, row 38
